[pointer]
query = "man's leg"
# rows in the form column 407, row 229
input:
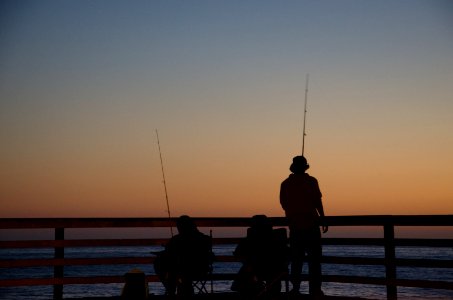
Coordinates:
column 185, row 287
column 314, row 258
column 297, row 258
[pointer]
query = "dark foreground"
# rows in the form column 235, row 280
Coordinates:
column 230, row 296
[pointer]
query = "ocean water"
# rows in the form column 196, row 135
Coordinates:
column 334, row 289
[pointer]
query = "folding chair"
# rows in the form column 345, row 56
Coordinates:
column 200, row 281
column 265, row 256
column 280, row 242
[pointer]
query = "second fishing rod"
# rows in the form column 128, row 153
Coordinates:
column 165, row 183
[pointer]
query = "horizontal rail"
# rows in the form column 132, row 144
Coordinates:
column 216, row 241
column 403, row 262
column 22, row 263
column 82, row 243
column 99, row 243
column 68, row 280
column 446, row 285
column 21, row 223
column 381, row 242
column 401, row 220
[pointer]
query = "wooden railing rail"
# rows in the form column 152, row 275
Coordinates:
column 59, row 243
column 373, row 220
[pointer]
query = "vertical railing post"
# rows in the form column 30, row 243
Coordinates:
column 390, row 266
column 58, row 271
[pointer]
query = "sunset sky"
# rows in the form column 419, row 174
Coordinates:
column 85, row 84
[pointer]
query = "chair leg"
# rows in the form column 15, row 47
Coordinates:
column 200, row 287
column 286, row 284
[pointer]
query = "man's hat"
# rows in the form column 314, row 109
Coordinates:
column 299, row 165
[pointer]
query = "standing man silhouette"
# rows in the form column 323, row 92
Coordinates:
column 300, row 197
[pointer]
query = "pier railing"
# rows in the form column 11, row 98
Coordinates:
column 59, row 243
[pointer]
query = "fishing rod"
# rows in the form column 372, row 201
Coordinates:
column 165, row 184
column 305, row 114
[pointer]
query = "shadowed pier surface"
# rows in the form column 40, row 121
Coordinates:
column 228, row 296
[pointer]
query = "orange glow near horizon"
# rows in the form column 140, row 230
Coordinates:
column 215, row 188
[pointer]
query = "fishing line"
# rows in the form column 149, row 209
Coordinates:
column 305, row 115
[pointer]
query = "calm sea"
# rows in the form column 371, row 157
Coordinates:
column 337, row 289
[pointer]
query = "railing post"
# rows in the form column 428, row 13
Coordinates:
column 58, row 271
column 390, row 266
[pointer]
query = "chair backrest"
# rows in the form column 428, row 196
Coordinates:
column 280, row 247
column 196, row 256
column 204, row 274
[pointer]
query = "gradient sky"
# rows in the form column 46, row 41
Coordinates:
column 85, row 84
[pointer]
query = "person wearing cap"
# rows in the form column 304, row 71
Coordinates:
column 300, row 198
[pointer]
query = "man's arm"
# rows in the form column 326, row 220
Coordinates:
column 282, row 197
column 320, row 210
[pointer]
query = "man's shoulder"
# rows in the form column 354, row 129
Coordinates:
column 296, row 179
column 309, row 177
column 288, row 181
column 202, row 238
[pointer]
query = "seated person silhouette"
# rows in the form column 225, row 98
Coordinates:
column 265, row 257
column 187, row 257
column 136, row 286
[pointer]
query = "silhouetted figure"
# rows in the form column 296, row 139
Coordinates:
column 136, row 286
column 300, row 197
column 186, row 257
column 264, row 254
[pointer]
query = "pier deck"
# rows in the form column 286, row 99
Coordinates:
column 228, row 296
